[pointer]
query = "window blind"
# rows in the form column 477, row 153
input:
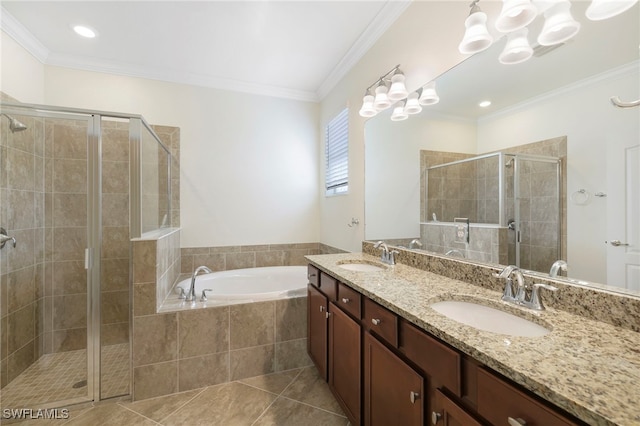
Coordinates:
column 337, row 154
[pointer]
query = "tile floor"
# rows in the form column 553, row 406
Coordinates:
column 290, row 398
column 52, row 378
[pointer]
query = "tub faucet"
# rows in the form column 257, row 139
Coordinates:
column 557, row 266
column 191, row 296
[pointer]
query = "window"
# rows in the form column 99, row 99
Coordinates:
column 337, row 154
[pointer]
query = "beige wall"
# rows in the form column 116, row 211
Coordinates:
column 21, row 75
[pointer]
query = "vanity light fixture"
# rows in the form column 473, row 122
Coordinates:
column 605, row 9
column 517, row 49
column 399, row 114
column 412, row 106
column 381, row 100
column 476, row 36
column 559, row 25
column 84, row 31
column 368, row 110
column 397, row 90
column 515, row 14
column 428, row 96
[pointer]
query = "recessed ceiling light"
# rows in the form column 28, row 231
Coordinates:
column 84, row 31
column 484, row 104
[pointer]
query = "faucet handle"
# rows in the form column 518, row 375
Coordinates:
column 203, row 298
column 536, row 301
column 183, row 295
column 507, row 294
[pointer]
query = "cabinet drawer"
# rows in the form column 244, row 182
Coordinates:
column 381, row 321
column 313, row 275
column 349, row 300
column 329, row 286
column 499, row 400
column 436, row 359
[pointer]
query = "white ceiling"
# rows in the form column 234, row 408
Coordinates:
column 291, row 49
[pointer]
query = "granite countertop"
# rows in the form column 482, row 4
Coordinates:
column 588, row 368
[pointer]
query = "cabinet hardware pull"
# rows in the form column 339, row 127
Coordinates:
column 321, row 308
column 327, row 315
column 435, row 417
column 345, row 300
column 375, row 321
column 413, row 396
column 516, row 422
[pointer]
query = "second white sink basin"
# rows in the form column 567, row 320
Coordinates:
column 489, row 319
column 361, row 267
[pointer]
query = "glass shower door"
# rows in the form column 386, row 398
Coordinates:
column 537, row 183
column 45, row 182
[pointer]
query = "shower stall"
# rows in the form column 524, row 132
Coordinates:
column 75, row 187
column 498, row 208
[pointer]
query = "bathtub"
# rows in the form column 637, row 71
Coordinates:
column 272, row 282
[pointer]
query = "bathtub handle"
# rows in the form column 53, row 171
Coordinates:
column 203, row 298
column 183, row 295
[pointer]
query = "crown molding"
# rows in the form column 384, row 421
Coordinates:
column 389, row 13
column 615, row 73
column 22, row 36
column 178, row 77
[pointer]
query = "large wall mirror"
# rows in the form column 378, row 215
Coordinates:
column 556, row 105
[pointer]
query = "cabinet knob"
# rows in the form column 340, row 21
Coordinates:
column 345, row 300
column 435, row 417
column 375, row 321
column 413, row 396
column 516, row 422
column 321, row 308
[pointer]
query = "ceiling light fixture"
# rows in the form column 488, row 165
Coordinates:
column 84, row 31
column 559, row 25
column 515, row 14
column 476, row 36
column 484, row 104
column 605, row 9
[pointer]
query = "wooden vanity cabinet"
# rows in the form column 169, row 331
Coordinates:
column 317, row 328
column 393, row 391
column 445, row 412
column 344, row 361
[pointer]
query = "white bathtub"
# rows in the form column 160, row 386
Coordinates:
column 272, row 282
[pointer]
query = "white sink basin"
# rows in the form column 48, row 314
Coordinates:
column 361, row 267
column 489, row 319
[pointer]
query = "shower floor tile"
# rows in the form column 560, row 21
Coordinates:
column 53, row 376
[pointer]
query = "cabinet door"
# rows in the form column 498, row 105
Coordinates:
column 448, row 413
column 393, row 391
column 317, row 329
column 344, row 361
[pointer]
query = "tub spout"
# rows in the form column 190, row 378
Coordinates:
column 191, row 296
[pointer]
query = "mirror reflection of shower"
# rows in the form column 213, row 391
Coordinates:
column 14, row 124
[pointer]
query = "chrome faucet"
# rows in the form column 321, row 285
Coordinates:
column 557, row 266
column 386, row 256
column 415, row 242
column 508, row 294
column 520, row 298
column 191, row 296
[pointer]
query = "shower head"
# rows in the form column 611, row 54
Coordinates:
column 509, row 163
column 14, row 124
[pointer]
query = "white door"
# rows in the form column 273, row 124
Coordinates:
column 623, row 217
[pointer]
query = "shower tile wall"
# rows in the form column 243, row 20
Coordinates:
column 21, row 268
column 238, row 257
column 170, row 137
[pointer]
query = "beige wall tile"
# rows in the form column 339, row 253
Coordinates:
column 203, row 331
column 21, row 328
column 155, row 339
column 292, row 354
column 68, row 340
column 144, row 299
column 291, row 318
column 115, row 274
column 114, row 307
column 144, row 261
column 155, row 380
column 252, row 324
column 240, row 260
column 69, row 311
column 201, row 371
column 251, row 362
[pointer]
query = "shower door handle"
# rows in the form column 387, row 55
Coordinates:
column 617, row 243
